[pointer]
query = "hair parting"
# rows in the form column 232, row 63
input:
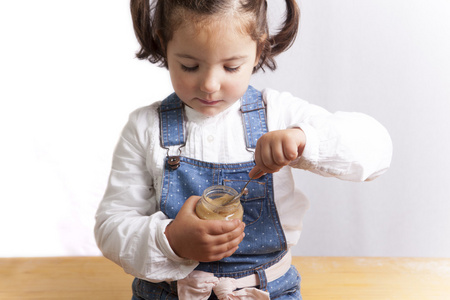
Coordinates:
column 154, row 22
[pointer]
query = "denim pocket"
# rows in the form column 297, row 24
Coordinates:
column 147, row 290
column 252, row 201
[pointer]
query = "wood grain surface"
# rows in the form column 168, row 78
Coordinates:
column 322, row 278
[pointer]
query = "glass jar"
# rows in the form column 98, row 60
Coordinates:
column 211, row 204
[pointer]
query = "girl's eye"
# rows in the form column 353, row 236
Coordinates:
column 232, row 70
column 189, row 69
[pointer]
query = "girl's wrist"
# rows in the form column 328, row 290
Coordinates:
column 300, row 139
column 168, row 232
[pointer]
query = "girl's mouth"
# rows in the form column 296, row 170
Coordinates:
column 207, row 102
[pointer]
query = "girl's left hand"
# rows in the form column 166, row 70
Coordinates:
column 203, row 240
column 277, row 149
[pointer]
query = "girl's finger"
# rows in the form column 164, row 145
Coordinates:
column 226, row 249
column 220, row 227
column 226, row 238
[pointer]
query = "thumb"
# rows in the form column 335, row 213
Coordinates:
column 190, row 203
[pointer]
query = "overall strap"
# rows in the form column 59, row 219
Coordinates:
column 253, row 116
column 171, row 121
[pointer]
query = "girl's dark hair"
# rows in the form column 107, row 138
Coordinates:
column 154, row 22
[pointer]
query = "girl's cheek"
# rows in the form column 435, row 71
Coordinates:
column 186, row 79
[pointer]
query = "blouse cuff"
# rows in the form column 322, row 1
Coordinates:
column 310, row 155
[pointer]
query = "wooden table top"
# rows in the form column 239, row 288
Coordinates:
column 330, row 278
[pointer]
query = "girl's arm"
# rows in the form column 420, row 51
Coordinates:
column 129, row 228
column 347, row 145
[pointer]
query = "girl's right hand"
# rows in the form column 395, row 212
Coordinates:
column 203, row 240
column 277, row 149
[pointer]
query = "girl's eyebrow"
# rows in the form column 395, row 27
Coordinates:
column 185, row 56
column 237, row 57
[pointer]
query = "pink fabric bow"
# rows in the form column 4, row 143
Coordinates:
column 199, row 285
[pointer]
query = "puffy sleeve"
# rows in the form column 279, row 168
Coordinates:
column 346, row 145
column 129, row 227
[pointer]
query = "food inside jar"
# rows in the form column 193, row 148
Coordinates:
column 212, row 208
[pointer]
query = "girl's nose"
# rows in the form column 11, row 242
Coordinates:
column 210, row 83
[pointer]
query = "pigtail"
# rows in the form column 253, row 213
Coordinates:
column 286, row 36
column 144, row 20
column 271, row 46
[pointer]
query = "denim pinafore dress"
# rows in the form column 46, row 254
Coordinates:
column 264, row 243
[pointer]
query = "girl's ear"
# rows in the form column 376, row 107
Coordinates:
column 163, row 47
column 258, row 55
column 161, row 41
column 260, row 48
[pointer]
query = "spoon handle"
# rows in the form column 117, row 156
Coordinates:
column 242, row 191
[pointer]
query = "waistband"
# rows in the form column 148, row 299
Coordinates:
column 272, row 273
column 199, row 284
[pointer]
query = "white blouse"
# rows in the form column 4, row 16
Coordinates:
column 129, row 226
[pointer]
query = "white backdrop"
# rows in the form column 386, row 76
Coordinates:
column 68, row 79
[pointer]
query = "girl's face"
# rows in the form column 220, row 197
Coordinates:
column 210, row 66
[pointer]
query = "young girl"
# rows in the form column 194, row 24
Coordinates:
column 215, row 129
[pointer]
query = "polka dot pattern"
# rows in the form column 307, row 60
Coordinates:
column 264, row 240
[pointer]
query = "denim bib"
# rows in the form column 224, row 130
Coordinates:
column 264, row 243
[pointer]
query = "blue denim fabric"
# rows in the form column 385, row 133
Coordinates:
column 286, row 287
column 264, row 243
column 171, row 121
column 144, row 290
column 253, row 115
